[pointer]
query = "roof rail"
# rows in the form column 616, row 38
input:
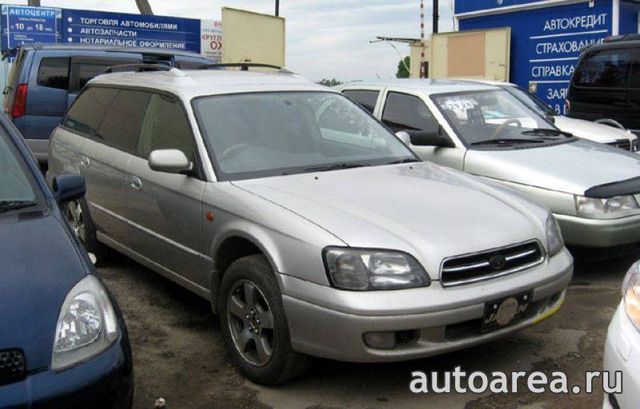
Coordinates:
column 137, row 68
column 244, row 66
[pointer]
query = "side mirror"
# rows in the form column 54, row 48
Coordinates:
column 169, row 161
column 430, row 137
column 68, row 188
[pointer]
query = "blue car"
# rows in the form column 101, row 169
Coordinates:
column 45, row 79
column 63, row 341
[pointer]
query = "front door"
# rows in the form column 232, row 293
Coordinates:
column 165, row 209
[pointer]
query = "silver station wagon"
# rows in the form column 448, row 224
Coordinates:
column 593, row 189
column 312, row 229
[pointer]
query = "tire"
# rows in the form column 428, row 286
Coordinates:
column 245, row 324
column 76, row 212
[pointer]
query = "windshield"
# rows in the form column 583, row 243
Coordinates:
column 16, row 185
column 483, row 117
column 530, row 100
column 268, row 134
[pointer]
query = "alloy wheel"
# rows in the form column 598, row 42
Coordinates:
column 250, row 321
column 75, row 218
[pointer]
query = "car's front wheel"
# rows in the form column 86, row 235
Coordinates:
column 254, row 324
column 77, row 214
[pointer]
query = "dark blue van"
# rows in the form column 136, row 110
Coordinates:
column 46, row 78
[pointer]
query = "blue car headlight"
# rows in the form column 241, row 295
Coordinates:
column 87, row 324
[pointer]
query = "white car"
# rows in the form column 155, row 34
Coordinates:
column 610, row 133
column 622, row 348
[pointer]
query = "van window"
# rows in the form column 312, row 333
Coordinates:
column 54, row 72
column 604, row 69
column 88, row 71
column 407, row 112
column 165, row 126
column 121, row 124
column 86, row 113
column 366, row 98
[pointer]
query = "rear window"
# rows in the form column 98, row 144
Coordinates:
column 604, row 69
column 121, row 124
column 87, row 112
column 54, row 72
column 366, row 98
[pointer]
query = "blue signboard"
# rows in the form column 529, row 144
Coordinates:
column 466, row 6
column 546, row 42
column 130, row 30
column 25, row 25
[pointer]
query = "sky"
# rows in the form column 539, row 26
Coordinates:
column 325, row 38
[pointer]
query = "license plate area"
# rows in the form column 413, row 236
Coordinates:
column 503, row 312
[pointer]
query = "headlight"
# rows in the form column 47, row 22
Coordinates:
column 555, row 243
column 355, row 269
column 87, row 324
column 611, row 208
column 631, row 294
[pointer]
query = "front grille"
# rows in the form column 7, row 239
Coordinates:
column 492, row 263
column 12, row 366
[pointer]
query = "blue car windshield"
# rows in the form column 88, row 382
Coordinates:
column 17, row 186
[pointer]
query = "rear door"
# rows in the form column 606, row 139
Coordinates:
column 105, row 157
column 599, row 86
column 165, row 209
column 404, row 111
column 85, row 67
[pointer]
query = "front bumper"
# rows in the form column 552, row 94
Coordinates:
column 331, row 323
column 579, row 231
column 104, row 382
column 622, row 353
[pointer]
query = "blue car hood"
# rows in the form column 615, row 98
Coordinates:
column 39, row 264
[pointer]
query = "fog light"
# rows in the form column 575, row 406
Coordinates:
column 380, row 340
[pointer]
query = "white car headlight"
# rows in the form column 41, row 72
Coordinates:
column 631, row 294
column 87, row 324
column 610, row 208
column 361, row 269
column 555, row 243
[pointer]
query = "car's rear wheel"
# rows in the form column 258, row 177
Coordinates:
column 76, row 212
column 254, row 324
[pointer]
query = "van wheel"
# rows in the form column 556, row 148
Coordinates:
column 77, row 214
column 254, row 324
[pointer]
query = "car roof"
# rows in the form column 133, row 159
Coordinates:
column 425, row 85
column 188, row 84
column 134, row 50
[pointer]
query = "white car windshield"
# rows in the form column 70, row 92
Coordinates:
column 280, row 133
column 494, row 117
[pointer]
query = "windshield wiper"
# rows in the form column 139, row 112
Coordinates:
column 7, row 205
column 506, row 141
column 335, row 166
column 406, row 160
column 547, row 131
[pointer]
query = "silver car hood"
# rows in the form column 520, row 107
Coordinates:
column 421, row 208
column 591, row 130
column 570, row 167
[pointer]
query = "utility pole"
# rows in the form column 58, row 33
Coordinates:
column 35, row 3
column 421, row 68
column 277, row 8
column 144, row 7
column 436, row 16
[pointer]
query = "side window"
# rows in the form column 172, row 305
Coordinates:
column 54, row 72
column 87, row 111
column 634, row 75
column 165, row 126
column 604, row 69
column 407, row 112
column 122, row 122
column 87, row 71
column 366, row 98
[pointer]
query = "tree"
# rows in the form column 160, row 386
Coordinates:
column 144, row 7
column 329, row 83
column 403, row 68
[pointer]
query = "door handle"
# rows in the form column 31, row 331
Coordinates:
column 84, row 161
column 135, row 183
